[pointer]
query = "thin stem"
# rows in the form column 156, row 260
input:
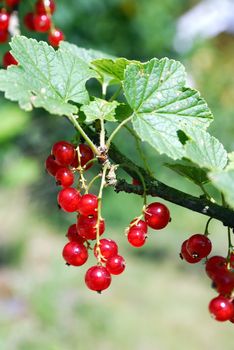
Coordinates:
column 81, row 170
column 102, row 134
column 74, row 121
column 117, row 130
column 138, row 146
column 206, row 193
column 206, row 233
column 230, row 248
column 103, row 182
column 116, row 94
column 92, row 182
column 91, row 161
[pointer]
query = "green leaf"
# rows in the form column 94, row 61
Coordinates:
column 113, row 68
column 224, row 181
column 192, row 173
column 162, row 104
column 123, row 111
column 100, row 109
column 204, row 149
column 45, row 77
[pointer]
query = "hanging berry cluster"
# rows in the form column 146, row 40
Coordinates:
column 64, row 163
column 40, row 21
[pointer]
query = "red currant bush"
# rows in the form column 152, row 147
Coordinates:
column 41, row 22
column 8, row 59
column 51, row 165
column 136, row 237
column 55, row 37
column 64, row 177
column 88, row 205
column 221, row 309
column 157, row 215
column 115, row 264
column 68, row 199
column 184, row 254
column 63, row 152
column 86, row 155
column 98, row 278
column 73, row 235
column 199, row 246
column 108, row 248
column 75, row 253
column 87, row 227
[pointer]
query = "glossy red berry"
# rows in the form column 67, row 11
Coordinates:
column 29, row 21
column 116, row 264
column 157, row 215
column 68, row 199
column 216, row 265
column 184, row 254
column 75, row 254
column 64, row 177
column 232, row 261
column 86, row 227
column 136, row 237
column 42, row 23
column 88, row 204
column 224, row 282
column 86, row 154
column 55, row 37
column 12, row 3
column 73, row 235
column 3, row 36
column 97, row 278
column 108, row 248
column 41, row 8
column 199, row 246
column 8, row 59
column 139, row 224
column 51, row 165
column 221, row 308
column 4, row 20
column 64, row 152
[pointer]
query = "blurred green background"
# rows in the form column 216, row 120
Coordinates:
column 159, row 303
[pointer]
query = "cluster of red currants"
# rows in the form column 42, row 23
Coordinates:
column 219, row 269
column 63, row 163
column 39, row 21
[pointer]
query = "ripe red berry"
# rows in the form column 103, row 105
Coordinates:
column 199, row 246
column 139, row 224
column 116, row 264
column 88, row 204
column 232, row 261
column 224, row 282
column 221, row 308
column 42, row 23
column 3, row 36
column 55, row 37
column 68, row 199
column 64, row 152
column 184, row 254
column 215, row 265
column 73, row 235
column 29, row 21
column 136, row 237
column 157, row 215
column 135, row 182
column 41, row 9
column 4, row 20
column 8, row 59
column 75, row 253
column 64, row 177
column 12, row 3
column 108, row 248
column 51, row 165
column 86, row 227
column 86, row 154
column 97, row 278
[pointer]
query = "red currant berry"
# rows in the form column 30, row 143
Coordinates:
column 3, row 36
column 42, row 23
column 157, row 215
column 86, row 154
column 64, row 152
column 8, row 59
column 199, row 246
column 75, row 253
column 221, row 308
column 232, row 261
column 88, row 204
column 224, row 282
column 139, row 224
column 73, row 235
column 4, row 20
column 86, row 227
column 29, row 21
column 107, row 247
column 41, row 8
column 64, row 177
column 55, row 37
column 12, row 3
column 136, row 237
column 116, row 264
column 68, row 199
column 52, row 166
column 215, row 265
column 136, row 182
column 97, row 278
column 184, row 254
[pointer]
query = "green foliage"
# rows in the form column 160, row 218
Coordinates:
column 224, row 181
column 100, row 109
column 191, row 172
